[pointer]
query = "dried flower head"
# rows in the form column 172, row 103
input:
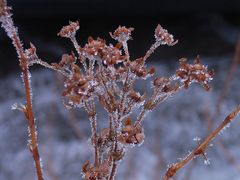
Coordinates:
column 138, row 68
column 69, row 30
column 76, row 87
column 97, row 49
column 196, row 72
column 132, row 134
column 162, row 36
column 93, row 48
column 122, row 34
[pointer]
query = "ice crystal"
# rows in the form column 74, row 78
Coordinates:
column 197, row 139
column 207, row 162
column 14, row 106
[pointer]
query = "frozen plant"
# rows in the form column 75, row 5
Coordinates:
column 7, row 24
column 104, row 73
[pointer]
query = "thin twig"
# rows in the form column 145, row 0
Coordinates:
column 201, row 148
column 45, row 64
column 8, row 25
column 231, row 73
column 230, row 76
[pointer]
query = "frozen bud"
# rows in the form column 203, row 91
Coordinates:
column 122, row 34
column 189, row 73
column 162, row 36
column 69, row 30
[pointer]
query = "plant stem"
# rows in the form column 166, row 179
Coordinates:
column 33, row 146
column 8, row 25
column 200, row 149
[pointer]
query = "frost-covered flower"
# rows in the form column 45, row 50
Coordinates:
column 189, row 73
column 69, row 30
column 162, row 36
column 122, row 34
column 98, row 48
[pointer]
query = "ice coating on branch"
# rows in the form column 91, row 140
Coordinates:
column 11, row 30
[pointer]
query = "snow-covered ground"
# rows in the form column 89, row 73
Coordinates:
column 169, row 130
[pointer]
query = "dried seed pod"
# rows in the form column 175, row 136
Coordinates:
column 162, row 36
column 189, row 73
column 69, row 30
column 122, row 34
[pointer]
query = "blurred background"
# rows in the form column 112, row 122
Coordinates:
column 208, row 28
